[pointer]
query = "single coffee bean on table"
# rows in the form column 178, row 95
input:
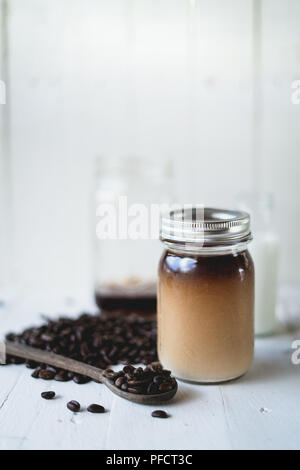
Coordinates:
column 36, row 373
column 48, row 395
column 46, row 374
column 94, row 408
column 81, row 379
column 74, row 406
column 159, row 414
column 62, row 376
column 31, row 364
column 15, row 360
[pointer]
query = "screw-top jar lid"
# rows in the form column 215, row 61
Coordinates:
column 205, row 226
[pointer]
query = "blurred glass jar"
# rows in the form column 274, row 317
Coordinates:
column 125, row 260
column 265, row 253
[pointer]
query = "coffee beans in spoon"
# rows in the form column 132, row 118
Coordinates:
column 151, row 380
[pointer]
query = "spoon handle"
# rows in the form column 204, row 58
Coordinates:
column 55, row 360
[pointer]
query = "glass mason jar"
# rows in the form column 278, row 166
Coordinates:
column 125, row 263
column 206, row 295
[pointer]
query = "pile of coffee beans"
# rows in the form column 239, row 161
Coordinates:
column 96, row 409
column 99, row 340
column 151, row 380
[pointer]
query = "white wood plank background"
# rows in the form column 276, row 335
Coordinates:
column 157, row 79
column 259, row 411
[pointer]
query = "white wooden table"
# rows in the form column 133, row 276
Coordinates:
column 260, row 411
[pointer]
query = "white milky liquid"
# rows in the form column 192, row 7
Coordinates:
column 265, row 252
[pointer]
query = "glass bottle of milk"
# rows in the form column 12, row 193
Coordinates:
column 265, row 253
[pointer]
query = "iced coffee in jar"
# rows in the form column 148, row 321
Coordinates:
column 206, row 295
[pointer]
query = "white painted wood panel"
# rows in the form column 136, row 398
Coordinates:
column 169, row 79
column 281, row 122
column 114, row 78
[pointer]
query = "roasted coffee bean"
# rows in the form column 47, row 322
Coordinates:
column 96, row 408
column 17, row 360
column 109, row 373
column 152, row 389
column 46, row 374
column 138, row 383
column 31, row 365
column 129, row 369
column 73, row 406
column 128, row 376
column 62, row 376
column 156, row 367
column 165, row 387
column 48, row 395
column 110, row 376
column 158, row 379
column 36, row 373
column 113, row 352
column 118, row 374
column 159, row 414
column 84, row 349
column 81, row 379
column 119, row 382
column 47, row 337
column 52, row 369
column 11, row 337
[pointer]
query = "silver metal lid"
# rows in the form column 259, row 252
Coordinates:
column 205, row 226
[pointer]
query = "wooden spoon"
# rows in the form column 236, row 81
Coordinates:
column 55, row 360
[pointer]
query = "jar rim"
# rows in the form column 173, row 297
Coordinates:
column 199, row 226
